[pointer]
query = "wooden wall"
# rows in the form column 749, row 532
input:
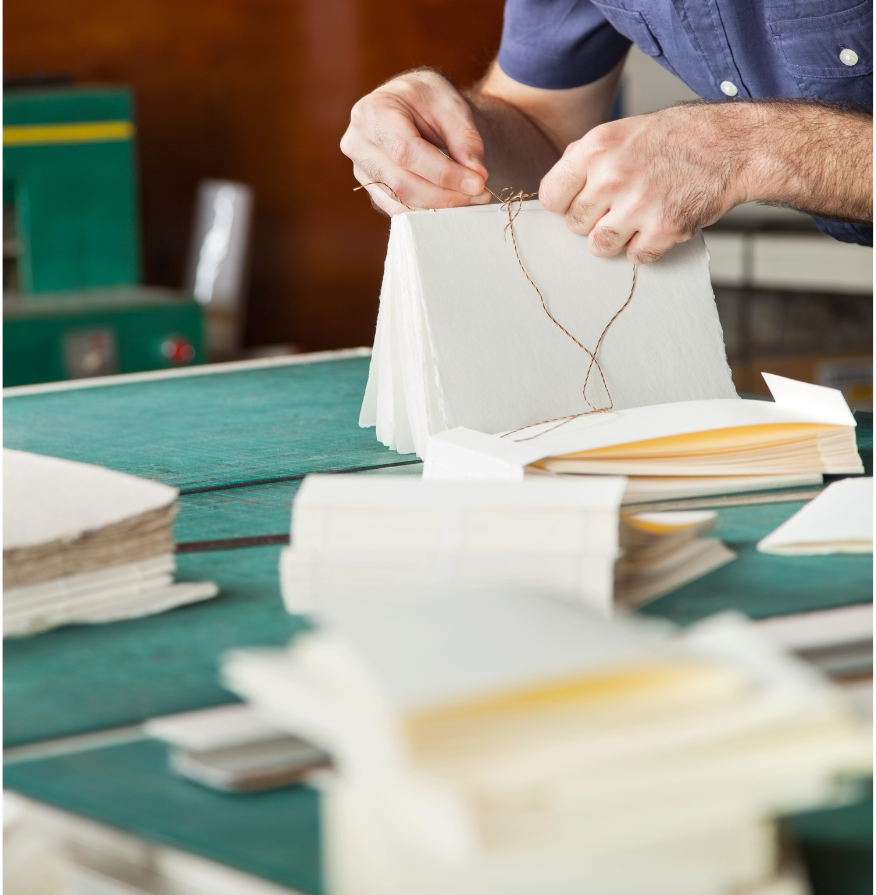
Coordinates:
column 259, row 91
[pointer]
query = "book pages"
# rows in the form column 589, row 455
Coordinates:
column 463, row 340
column 705, row 437
column 368, row 535
column 487, row 745
column 84, row 544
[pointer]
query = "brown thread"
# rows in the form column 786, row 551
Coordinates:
column 381, row 183
column 507, row 198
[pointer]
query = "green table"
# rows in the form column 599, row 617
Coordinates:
column 237, row 442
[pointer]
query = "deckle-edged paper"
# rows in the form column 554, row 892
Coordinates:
column 84, row 544
column 463, row 340
column 49, row 499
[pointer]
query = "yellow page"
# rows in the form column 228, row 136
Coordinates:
column 713, row 441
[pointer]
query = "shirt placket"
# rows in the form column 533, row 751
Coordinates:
column 702, row 21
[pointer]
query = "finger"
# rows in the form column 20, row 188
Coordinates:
column 426, row 160
column 380, row 196
column 610, row 235
column 563, row 183
column 409, row 189
column 645, row 248
column 396, row 134
column 583, row 214
column 451, row 121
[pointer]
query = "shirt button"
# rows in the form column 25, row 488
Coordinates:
column 848, row 57
column 728, row 88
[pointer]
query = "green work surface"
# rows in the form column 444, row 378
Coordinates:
column 209, row 430
column 276, row 835
column 273, row 835
column 761, row 584
column 837, row 848
column 91, row 677
column 251, row 511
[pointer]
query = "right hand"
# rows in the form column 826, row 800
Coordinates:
column 394, row 137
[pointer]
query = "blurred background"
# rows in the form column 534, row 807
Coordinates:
column 220, row 123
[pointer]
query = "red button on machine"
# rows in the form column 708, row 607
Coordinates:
column 178, row 350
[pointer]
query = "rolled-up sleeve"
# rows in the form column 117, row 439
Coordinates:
column 558, row 44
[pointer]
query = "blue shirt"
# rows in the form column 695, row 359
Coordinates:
column 765, row 49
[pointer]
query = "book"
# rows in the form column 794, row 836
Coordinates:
column 487, row 741
column 85, row 544
column 839, row 520
column 493, row 327
column 362, row 534
column 806, row 432
column 232, row 749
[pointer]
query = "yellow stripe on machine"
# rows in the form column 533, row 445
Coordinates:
column 80, row 132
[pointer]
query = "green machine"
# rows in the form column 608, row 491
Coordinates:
column 73, row 305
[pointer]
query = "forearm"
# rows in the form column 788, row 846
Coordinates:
column 517, row 153
column 526, row 129
column 815, row 157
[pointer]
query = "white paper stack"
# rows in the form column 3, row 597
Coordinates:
column 509, row 743
column 463, row 340
column 85, row 544
column 672, row 450
column 361, row 535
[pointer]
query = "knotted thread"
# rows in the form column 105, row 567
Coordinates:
column 512, row 203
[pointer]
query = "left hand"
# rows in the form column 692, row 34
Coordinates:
column 645, row 183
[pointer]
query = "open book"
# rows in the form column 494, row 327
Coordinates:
column 809, row 430
column 509, row 743
column 464, row 340
column 85, row 544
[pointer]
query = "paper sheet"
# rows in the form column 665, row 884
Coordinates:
column 47, row 499
column 839, row 520
column 467, row 339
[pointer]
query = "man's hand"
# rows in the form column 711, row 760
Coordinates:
column 643, row 184
column 394, row 138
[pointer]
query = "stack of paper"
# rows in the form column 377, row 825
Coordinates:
column 463, row 339
column 509, row 743
column 673, row 450
column 232, row 748
column 839, row 520
column 358, row 534
column 85, row 544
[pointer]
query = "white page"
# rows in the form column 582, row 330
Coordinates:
column 472, row 643
column 214, row 728
column 385, row 513
column 839, row 520
column 47, row 499
column 463, row 448
column 498, row 360
column 822, row 628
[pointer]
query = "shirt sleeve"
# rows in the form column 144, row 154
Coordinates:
column 558, row 44
column 854, row 233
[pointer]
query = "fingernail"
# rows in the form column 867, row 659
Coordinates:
column 482, row 199
column 472, row 186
